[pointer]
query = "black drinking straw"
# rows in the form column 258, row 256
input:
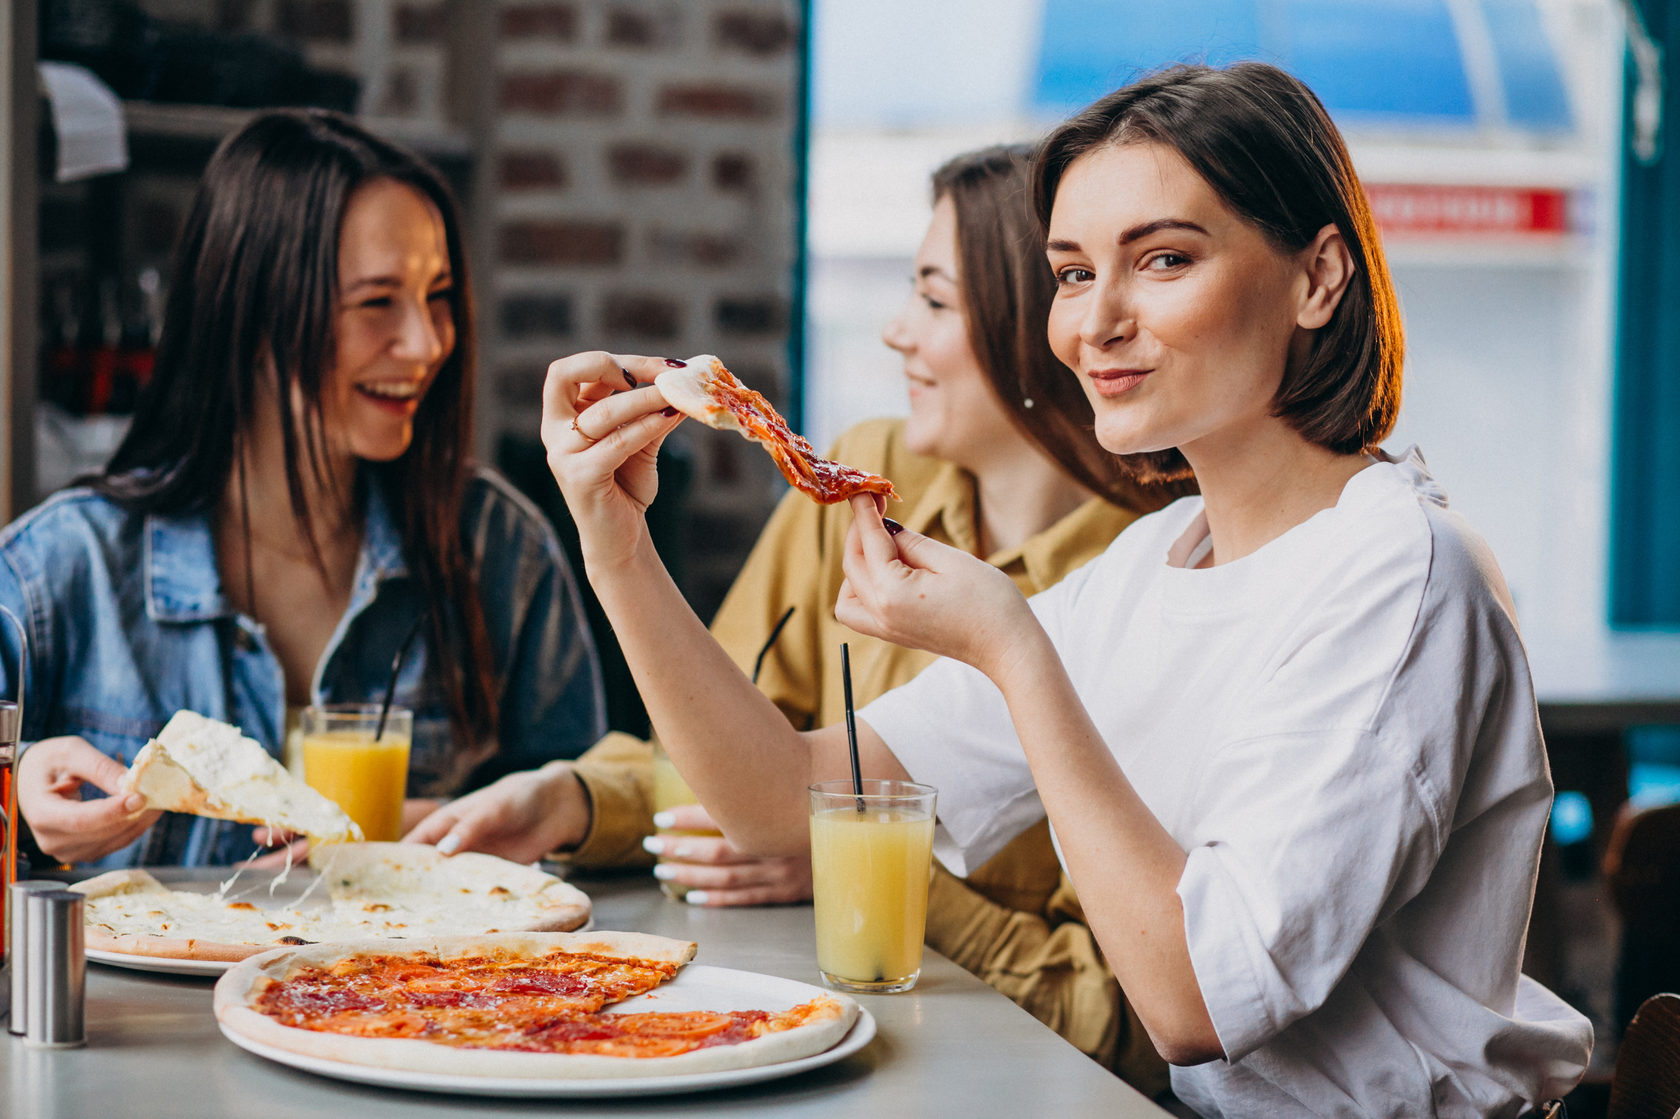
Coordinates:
column 851, row 723
column 396, row 667
column 764, row 650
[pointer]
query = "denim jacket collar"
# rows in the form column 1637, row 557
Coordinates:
column 182, row 580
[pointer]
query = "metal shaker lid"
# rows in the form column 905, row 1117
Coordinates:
column 10, row 727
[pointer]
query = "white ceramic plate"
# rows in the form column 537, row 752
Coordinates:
column 159, row 964
column 698, row 987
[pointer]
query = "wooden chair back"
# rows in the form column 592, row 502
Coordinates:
column 1646, row 1083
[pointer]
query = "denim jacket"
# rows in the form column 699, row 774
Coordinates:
column 128, row 623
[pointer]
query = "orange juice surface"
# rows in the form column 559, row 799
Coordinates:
column 366, row 779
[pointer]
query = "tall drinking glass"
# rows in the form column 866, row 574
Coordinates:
column 870, row 860
column 343, row 762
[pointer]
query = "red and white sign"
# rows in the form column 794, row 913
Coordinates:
column 1428, row 209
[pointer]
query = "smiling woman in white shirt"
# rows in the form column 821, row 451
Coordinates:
column 1284, row 731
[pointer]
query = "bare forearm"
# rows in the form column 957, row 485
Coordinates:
column 733, row 746
column 1121, row 859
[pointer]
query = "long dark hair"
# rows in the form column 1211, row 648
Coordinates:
column 1264, row 143
column 1007, row 289
column 253, row 297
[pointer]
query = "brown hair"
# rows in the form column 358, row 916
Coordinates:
column 1007, row 289
column 253, row 295
column 1263, row 142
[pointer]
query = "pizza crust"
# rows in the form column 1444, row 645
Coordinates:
column 234, row 991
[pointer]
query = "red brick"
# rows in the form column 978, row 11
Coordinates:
column 328, row 20
column 708, row 250
column 754, row 315
column 718, row 102
column 561, row 242
column 540, row 21
column 532, row 316
column 521, row 169
column 421, row 23
column 626, row 28
column 641, row 315
column 760, row 33
column 646, row 164
column 562, row 93
column 733, row 171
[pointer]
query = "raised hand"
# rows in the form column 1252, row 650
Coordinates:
column 602, row 425
column 911, row 590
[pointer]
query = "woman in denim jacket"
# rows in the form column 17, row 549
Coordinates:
column 294, row 496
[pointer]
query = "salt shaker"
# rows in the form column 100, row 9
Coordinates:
column 16, row 899
column 55, row 971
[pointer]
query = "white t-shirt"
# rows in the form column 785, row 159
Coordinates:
column 1340, row 731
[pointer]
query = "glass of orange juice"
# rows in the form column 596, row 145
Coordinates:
column 343, row 763
column 870, row 860
column 670, row 791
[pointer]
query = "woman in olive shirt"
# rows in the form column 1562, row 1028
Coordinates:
column 996, row 458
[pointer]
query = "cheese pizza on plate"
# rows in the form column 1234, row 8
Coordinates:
column 372, row 890
column 533, row 1005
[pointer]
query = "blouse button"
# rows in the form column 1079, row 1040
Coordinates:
column 243, row 640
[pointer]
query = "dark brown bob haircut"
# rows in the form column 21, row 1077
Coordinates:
column 1263, row 142
column 1007, row 288
column 251, row 309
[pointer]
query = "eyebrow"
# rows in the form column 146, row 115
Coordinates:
column 1135, row 233
column 396, row 281
column 927, row 270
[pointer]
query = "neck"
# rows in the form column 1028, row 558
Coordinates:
column 266, row 497
column 1260, row 484
column 1020, row 492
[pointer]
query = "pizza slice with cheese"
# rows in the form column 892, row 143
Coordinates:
column 707, row 391
column 208, row 768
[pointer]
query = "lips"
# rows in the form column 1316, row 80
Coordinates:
column 400, row 397
column 1113, row 382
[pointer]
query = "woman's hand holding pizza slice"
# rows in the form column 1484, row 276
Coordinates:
column 602, row 425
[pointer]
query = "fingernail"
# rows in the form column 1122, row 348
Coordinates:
column 629, row 378
column 696, row 897
column 892, row 526
column 662, row 820
column 662, row 871
column 449, row 844
column 653, row 845
column 668, row 410
column 675, row 364
column 134, row 803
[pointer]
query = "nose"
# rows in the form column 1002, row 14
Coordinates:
column 420, row 335
column 896, row 334
column 1109, row 315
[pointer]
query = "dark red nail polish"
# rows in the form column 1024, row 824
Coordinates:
column 892, row 526
column 628, row 379
column 668, row 410
column 675, row 364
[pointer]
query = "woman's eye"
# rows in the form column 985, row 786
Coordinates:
column 442, row 293
column 376, row 301
column 1075, row 276
column 1166, row 262
column 933, row 303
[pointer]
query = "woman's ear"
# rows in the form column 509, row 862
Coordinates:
column 1329, row 270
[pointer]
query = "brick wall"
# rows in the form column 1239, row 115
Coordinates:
column 634, row 193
